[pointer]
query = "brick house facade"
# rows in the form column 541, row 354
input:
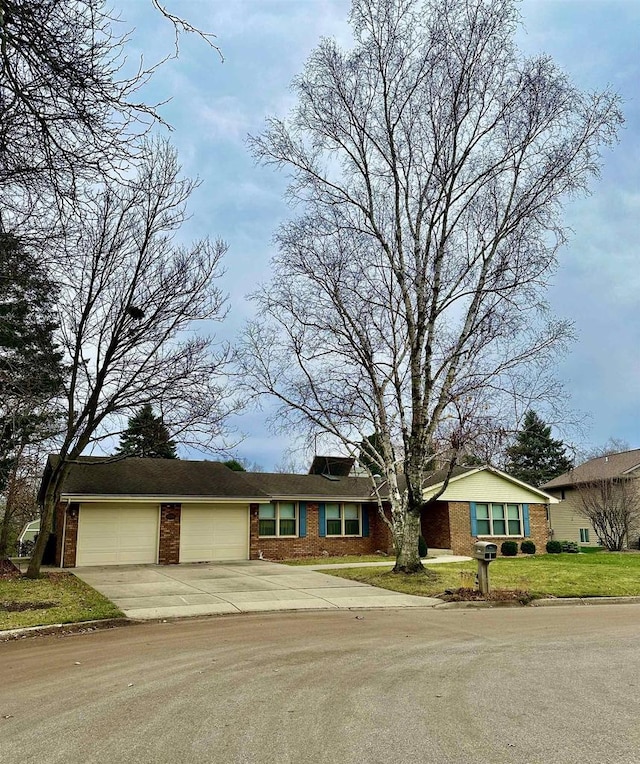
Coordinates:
column 171, row 511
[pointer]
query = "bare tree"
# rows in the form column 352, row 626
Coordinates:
column 429, row 164
column 70, row 108
column 131, row 299
column 20, row 494
column 612, row 505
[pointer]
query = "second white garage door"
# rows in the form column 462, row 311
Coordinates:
column 214, row 532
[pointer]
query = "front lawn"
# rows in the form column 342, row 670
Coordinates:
column 347, row 558
column 54, row 598
column 608, row 574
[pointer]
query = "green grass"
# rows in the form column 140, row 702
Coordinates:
column 54, row 598
column 338, row 560
column 607, row 574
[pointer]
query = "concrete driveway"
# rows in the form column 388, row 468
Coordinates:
column 173, row 591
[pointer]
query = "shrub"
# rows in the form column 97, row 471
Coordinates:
column 422, row 547
column 509, row 548
column 528, row 547
column 570, row 546
column 554, row 547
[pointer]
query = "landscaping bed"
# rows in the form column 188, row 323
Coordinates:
column 54, row 598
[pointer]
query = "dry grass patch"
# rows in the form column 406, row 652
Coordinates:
column 54, row 598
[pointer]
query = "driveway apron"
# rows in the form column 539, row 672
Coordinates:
column 146, row 592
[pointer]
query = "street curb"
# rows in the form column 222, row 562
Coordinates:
column 547, row 602
column 634, row 600
column 80, row 627
column 83, row 627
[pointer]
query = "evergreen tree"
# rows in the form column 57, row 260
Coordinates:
column 147, row 435
column 235, row 465
column 368, row 457
column 536, row 457
column 31, row 368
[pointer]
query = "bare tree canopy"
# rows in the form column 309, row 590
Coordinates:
column 429, row 165
column 130, row 301
column 612, row 505
column 70, row 107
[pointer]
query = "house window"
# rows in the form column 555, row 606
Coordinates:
column 584, row 535
column 343, row 519
column 278, row 519
column 499, row 519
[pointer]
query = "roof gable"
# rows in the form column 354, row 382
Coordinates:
column 600, row 468
column 489, row 484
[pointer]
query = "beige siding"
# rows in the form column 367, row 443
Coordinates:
column 566, row 522
column 486, row 486
column 113, row 533
column 214, row 532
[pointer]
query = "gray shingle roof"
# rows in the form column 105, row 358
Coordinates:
column 158, row 477
column 600, row 468
column 103, row 476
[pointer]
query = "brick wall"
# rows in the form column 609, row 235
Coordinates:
column 71, row 536
column 434, row 525
column 539, row 527
column 169, row 543
column 461, row 541
column 314, row 545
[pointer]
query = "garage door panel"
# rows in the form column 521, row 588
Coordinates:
column 214, row 532
column 117, row 534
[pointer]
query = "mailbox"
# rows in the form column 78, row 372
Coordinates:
column 485, row 550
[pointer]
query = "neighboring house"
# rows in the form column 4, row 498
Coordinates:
column 565, row 519
column 28, row 534
column 133, row 511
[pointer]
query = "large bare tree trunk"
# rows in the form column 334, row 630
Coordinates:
column 406, row 544
column 47, row 514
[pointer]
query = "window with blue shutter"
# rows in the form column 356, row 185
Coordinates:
column 365, row 521
column 322, row 521
column 525, row 519
column 302, row 520
column 473, row 518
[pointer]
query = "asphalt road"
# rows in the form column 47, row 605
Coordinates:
column 518, row 685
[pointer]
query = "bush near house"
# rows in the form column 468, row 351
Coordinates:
column 509, row 548
column 554, row 547
column 528, row 547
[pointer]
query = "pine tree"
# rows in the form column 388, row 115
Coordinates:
column 147, row 436
column 31, row 368
column 536, row 457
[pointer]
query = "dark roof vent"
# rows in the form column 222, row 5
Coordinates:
column 335, row 466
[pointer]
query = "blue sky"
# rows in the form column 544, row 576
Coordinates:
column 215, row 105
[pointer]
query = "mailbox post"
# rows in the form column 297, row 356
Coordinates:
column 484, row 552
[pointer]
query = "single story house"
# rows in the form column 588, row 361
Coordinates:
column 567, row 522
column 169, row 511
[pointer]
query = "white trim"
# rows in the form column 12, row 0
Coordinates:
column 325, row 498
column 430, row 489
column 149, row 499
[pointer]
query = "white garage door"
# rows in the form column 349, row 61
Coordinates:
column 110, row 534
column 211, row 532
